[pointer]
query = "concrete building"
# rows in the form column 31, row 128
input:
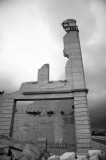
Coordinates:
column 58, row 110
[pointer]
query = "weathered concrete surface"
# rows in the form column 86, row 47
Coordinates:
column 13, row 119
column 75, row 76
column 68, row 156
column 43, row 74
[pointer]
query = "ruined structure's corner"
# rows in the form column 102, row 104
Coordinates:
column 59, row 109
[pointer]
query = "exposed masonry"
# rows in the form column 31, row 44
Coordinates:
column 56, row 103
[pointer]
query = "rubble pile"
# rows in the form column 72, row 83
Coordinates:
column 13, row 150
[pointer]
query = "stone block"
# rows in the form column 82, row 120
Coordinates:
column 94, row 152
column 7, row 107
column 74, row 45
column 6, row 111
column 82, row 122
column 79, row 106
column 83, row 126
column 73, row 55
column 16, row 153
column 5, row 127
column 68, row 71
column 54, row 158
column 6, row 115
column 77, row 77
column 4, row 131
column 4, row 157
column 9, row 100
column 83, row 140
column 80, row 98
column 77, row 70
column 5, row 119
column 80, row 114
column 81, row 110
column 30, row 151
column 83, row 145
column 82, row 118
column 75, row 51
column 68, row 156
column 94, row 158
column 6, row 104
column 76, row 63
column 43, row 74
column 83, row 157
column 80, row 102
column 7, row 123
column 83, row 150
column 80, row 86
column 83, row 135
column 80, row 94
column 82, row 130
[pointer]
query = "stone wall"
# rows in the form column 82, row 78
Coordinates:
column 6, row 106
column 21, row 122
column 51, row 119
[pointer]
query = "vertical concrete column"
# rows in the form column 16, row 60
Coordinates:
column 82, row 123
column 43, row 74
column 6, row 114
column 75, row 76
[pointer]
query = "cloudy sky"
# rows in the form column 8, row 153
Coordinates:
column 31, row 35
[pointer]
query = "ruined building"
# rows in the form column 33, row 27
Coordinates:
column 58, row 110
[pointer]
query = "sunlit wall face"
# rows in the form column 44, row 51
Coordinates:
column 50, row 119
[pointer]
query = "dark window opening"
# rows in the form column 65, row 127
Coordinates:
column 62, row 113
column 49, row 113
column 33, row 113
column 72, row 106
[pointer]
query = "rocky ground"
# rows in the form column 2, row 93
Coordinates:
column 11, row 150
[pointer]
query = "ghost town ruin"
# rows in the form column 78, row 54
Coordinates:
column 58, row 110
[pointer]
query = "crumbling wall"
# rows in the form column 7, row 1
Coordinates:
column 6, row 108
column 51, row 119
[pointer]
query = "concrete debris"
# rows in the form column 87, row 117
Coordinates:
column 53, row 157
column 30, row 152
column 4, row 150
column 82, row 157
column 4, row 157
column 68, row 156
column 95, row 157
column 15, row 154
column 94, row 152
column 9, row 141
column 12, row 150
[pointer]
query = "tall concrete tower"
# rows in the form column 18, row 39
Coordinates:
column 75, row 76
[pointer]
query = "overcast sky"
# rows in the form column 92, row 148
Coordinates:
column 31, row 35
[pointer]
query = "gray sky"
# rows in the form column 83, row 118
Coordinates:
column 31, row 35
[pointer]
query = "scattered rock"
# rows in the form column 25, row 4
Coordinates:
column 79, row 158
column 102, row 157
column 95, row 157
column 15, row 154
column 68, row 156
column 4, row 150
column 94, row 152
column 82, row 157
column 30, row 152
column 53, row 157
column 4, row 157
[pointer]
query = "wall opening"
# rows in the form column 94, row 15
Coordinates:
column 50, row 119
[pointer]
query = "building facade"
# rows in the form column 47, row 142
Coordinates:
column 55, row 110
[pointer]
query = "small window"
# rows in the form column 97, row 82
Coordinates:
column 72, row 106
